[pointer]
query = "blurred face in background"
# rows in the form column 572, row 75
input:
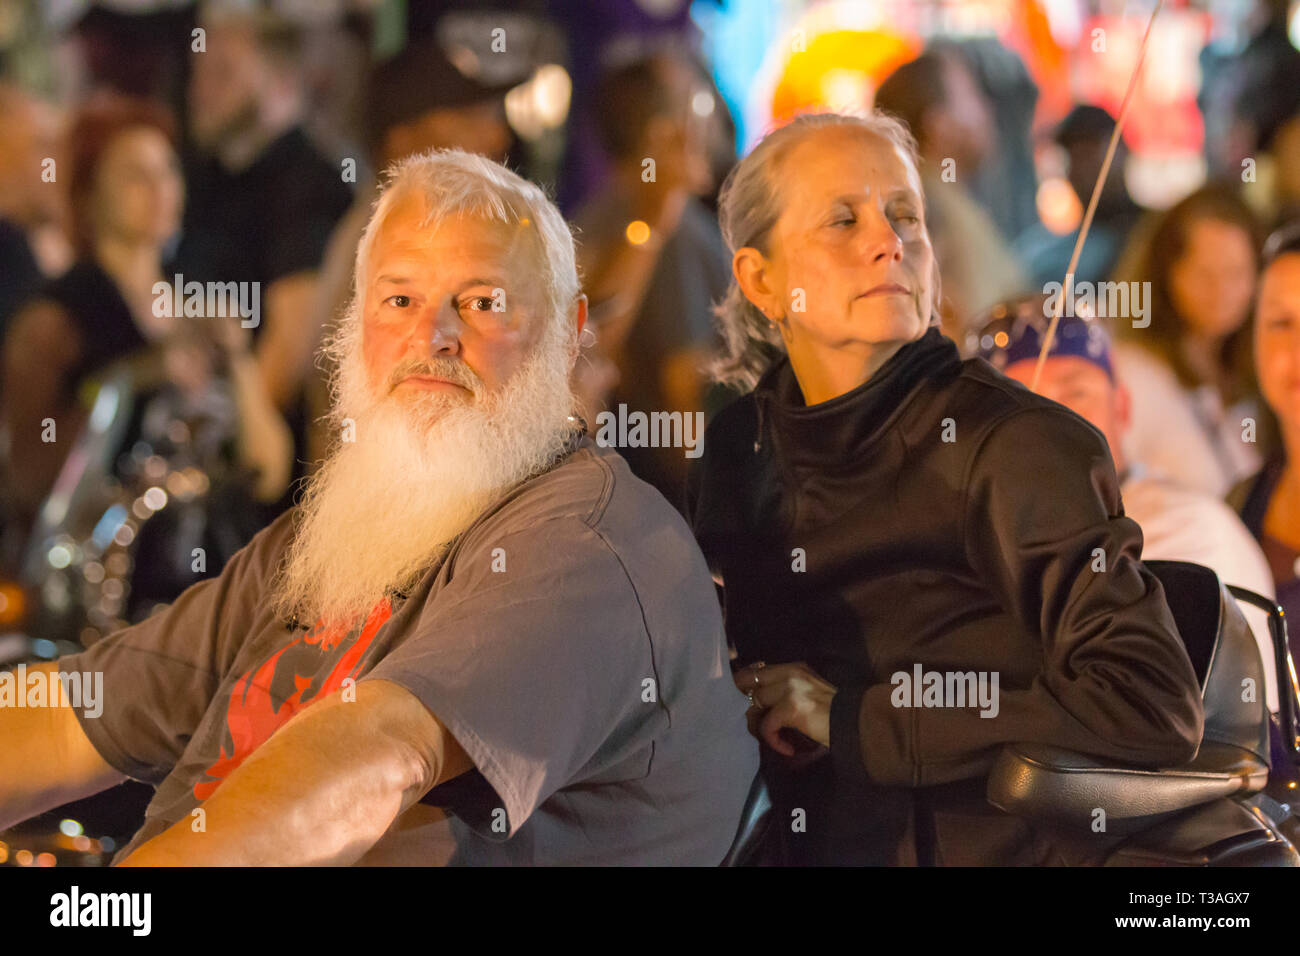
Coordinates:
column 961, row 126
column 225, row 85
column 850, row 242
column 681, row 136
column 476, row 128
column 1277, row 340
column 1211, row 284
column 30, row 134
column 139, row 194
column 1084, row 389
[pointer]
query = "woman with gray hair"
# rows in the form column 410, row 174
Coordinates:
column 921, row 560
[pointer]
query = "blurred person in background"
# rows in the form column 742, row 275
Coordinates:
column 651, row 255
column 415, row 101
column 1284, row 149
column 263, row 199
column 1006, row 182
column 33, row 240
column 1269, row 501
column 127, row 196
column 1178, row 524
column 1188, row 369
column 1250, row 83
column 1085, row 134
column 936, row 95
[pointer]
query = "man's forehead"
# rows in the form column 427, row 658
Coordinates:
column 409, row 232
column 1058, row 369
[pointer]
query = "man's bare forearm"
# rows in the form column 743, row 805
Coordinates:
column 321, row 791
column 45, row 758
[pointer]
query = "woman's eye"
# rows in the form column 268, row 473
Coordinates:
column 479, row 303
column 400, row 301
column 844, row 222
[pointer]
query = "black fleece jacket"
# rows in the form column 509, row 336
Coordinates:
column 941, row 515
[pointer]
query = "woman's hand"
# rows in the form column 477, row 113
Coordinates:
column 786, row 695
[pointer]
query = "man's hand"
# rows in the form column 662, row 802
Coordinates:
column 322, row 790
column 786, row 695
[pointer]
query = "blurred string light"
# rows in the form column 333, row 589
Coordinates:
column 540, row 104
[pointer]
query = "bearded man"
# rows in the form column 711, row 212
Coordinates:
column 476, row 639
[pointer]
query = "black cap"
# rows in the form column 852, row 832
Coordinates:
column 416, row 81
column 1084, row 122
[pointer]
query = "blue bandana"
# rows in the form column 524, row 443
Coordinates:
column 1015, row 332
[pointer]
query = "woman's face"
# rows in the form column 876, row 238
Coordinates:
column 139, row 192
column 1277, row 339
column 850, row 246
column 1212, row 282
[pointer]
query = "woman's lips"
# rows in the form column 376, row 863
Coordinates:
column 888, row 288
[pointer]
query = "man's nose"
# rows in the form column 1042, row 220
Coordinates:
column 441, row 331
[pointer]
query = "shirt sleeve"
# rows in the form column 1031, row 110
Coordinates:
column 534, row 656
column 161, row 674
column 1042, row 507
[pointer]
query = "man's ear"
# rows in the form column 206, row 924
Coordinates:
column 580, row 312
column 750, row 267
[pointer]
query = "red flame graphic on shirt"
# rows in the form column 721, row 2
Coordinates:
column 253, row 715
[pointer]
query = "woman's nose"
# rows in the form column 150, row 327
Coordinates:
column 883, row 242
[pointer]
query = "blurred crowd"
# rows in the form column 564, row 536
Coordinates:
column 253, row 158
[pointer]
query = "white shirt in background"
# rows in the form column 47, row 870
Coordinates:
column 1182, row 524
column 1183, row 433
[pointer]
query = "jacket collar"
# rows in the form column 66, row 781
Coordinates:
column 840, row 431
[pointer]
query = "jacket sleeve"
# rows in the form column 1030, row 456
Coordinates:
column 1042, row 508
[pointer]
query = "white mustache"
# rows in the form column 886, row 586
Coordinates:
column 458, row 373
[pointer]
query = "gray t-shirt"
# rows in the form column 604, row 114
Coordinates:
column 571, row 641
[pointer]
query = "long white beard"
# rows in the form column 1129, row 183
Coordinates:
column 423, row 466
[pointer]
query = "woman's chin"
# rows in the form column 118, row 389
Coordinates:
column 893, row 324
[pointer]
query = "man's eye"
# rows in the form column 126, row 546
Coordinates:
column 400, row 301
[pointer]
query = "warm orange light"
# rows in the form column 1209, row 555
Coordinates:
column 12, row 602
column 1058, row 206
column 837, row 67
column 638, row 232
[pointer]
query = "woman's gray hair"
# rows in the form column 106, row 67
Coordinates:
column 749, row 206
